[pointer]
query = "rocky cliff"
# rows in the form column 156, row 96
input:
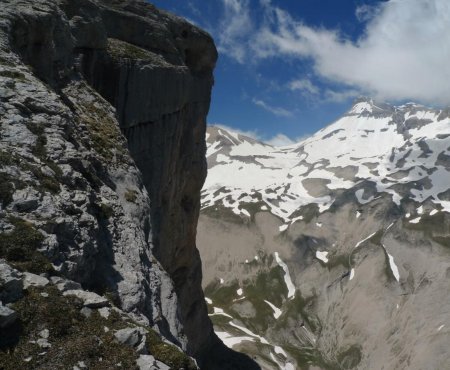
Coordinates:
column 103, row 107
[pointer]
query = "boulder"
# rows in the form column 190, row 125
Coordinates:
column 90, row 299
column 7, row 316
column 11, row 284
column 34, row 280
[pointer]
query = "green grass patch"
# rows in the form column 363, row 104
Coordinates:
column 20, row 248
column 222, row 295
column 13, row 74
column 123, row 50
column 308, row 357
column 168, row 354
column 73, row 337
column 131, row 196
column 104, row 132
column 300, row 309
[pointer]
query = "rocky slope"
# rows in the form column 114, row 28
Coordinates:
column 333, row 253
column 102, row 124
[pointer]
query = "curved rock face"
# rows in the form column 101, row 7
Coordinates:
column 108, row 201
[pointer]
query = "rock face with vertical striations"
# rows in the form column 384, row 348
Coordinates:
column 102, row 158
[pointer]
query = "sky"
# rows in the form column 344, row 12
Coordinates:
column 287, row 68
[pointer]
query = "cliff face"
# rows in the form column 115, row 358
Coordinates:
column 158, row 75
column 103, row 107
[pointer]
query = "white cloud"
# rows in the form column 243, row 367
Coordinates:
column 235, row 26
column 339, row 96
column 280, row 140
column 366, row 12
column 278, row 111
column 402, row 55
column 305, row 86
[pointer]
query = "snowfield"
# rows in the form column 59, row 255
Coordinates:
column 374, row 148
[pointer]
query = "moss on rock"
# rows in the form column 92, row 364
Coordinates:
column 20, row 247
column 168, row 354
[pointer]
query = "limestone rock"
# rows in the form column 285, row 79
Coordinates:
column 7, row 316
column 129, row 336
column 90, row 299
column 11, row 284
column 34, row 280
column 114, row 160
column 148, row 362
column 64, row 284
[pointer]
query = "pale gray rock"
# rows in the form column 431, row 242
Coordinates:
column 90, row 299
column 86, row 312
column 43, row 343
column 104, row 312
column 25, row 200
column 11, row 283
column 33, row 280
column 7, row 316
column 68, row 285
column 148, row 362
column 129, row 336
column 45, row 333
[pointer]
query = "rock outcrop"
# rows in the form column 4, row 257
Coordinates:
column 103, row 107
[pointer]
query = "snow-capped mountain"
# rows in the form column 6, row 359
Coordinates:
column 402, row 151
column 332, row 253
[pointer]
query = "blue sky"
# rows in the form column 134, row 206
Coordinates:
column 290, row 67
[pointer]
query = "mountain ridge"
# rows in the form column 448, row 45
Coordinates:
column 358, row 144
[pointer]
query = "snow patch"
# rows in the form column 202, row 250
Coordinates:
column 280, row 351
column 352, row 274
column 230, row 340
column 283, row 228
column 365, row 239
column 249, row 332
column 322, row 256
column 219, row 311
column 287, row 276
column 394, row 267
column 276, row 311
column 415, row 220
column 208, row 300
column 239, row 291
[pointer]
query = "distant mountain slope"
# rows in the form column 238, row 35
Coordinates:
column 332, row 253
column 403, row 151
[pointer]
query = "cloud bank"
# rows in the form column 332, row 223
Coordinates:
column 403, row 54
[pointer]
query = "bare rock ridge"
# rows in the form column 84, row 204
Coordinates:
column 102, row 159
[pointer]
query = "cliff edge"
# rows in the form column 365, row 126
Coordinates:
column 102, row 127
